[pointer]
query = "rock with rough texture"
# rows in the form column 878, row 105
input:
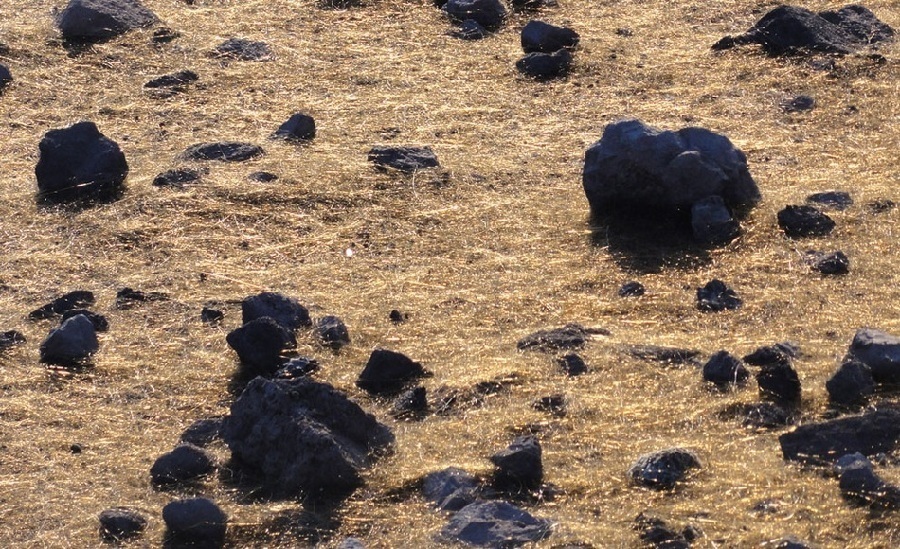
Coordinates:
column 538, row 36
column 388, row 372
column 10, row 339
column 128, row 298
column 79, row 164
column 759, row 415
column 880, row 351
column 284, row 310
column 790, row 30
column 183, row 464
column 851, row 385
column 780, row 384
column 804, row 221
column 331, row 332
column 545, row 66
column 552, row 404
column 834, row 200
column 868, row 434
column 519, row 467
column 779, row 353
column 490, row 14
column 303, row 437
column 299, row 366
column 225, row 151
column 73, row 343
column 412, row 403
column 572, row 364
column 570, row 336
column 632, row 289
column 717, row 296
column 177, row 178
column 724, row 370
column 799, row 103
column 494, row 524
column 450, row 489
column 86, row 21
column 655, row 532
column 470, row 30
column 404, row 159
column 791, row 542
column 196, row 521
column 834, row 263
column 859, row 483
column 642, row 169
column 665, row 355
column 262, row 177
column 664, row 469
column 711, row 222
column 300, row 127
column 203, row 431
column 178, row 79
column 241, row 49
column 259, row 345
column 120, row 524
column 5, row 77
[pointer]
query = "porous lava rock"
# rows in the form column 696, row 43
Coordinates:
column 72, row 344
column 303, row 437
column 519, row 467
column 331, row 332
column 852, row 384
column 716, row 296
column 86, row 21
column 242, row 49
column 825, row 442
column 538, row 36
column 572, row 364
column 259, row 345
column 284, row 310
column 300, row 127
column 545, row 66
column 120, row 524
column 490, row 14
column 225, row 151
column 78, row 164
column 834, row 263
column 880, row 351
column 662, row 470
column 804, row 221
column 450, row 489
column 183, row 464
column 570, row 336
column 712, row 223
column 724, row 370
column 67, row 302
column 388, row 372
column 412, row 403
column 494, row 524
column 403, row 159
column 195, row 521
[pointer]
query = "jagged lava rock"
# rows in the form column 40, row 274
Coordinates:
column 723, row 369
column 717, row 296
column 299, row 127
column 71, row 344
column 880, row 351
column 88, row 21
column 450, row 489
column 494, row 524
column 868, row 434
column 259, row 345
column 519, row 467
column 284, row 310
column 804, row 221
column 662, row 470
column 332, row 332
column 388, row 372
column 538, row 36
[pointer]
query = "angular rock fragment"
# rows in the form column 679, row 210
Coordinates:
column 804, row 221
column 880, row 351
column 780, row 384
column 72, row 344
column 519, row 467
column 852, row 384
column 825, row 442
column 259, row 345
column 404, row 159
column 87, row 21
column 226, row 151
column 494, row 524
column 332, row 332
column 834, row 263
column 662, row 470
column 388, row 372
column 195, row 521
column 724, row 370
column 120, row 524
column 412, row 403
column 716, row 296
column 779, row 353
column 284, row 310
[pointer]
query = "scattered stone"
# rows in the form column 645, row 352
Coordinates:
column 397, row 317
column 212, row 316
column 332, row 332
column 632, row 289
column 241, row 49
column 639, row 168
column 552, row 404
column 780, row 384
column 76, row 448
column 177, row 178
column 388, row 372
column 297, row 367
column 299, row 128
column 67, row 302
column 450, row 489
column 570, row 336
column 164, row 35
column 259, row 345
column 87, row 21
column 711, row 222
column 127, row 298
column 799, row 103
column 545, row 66
column 880, row 351
column 284, row 310
column 494, row 524
column 860, row 484
column 779, row 353
column 804, row 221
column 412, row 403
column 724, row 370
column 10, row 339
column 470, row 30
column 656, row 533
column 175, row 80
column 519, row 467
column 120, row 524
column 624, row 31
column 851, row 385
column 880, row 206
column 538, row 36
column 790, row 30
column 99, row 321
column 761, row 415
column 226, row 151
column 572, row 364
column 664, row 469
column 5, row 78
column 79, row 164
column 834, row 263
column 203, row 432
column 490, row 14
column 183, row 464
column 302, row 437
column 196, row 520
column 404, row 159
column 665, row 355
column 262, row 177
column 716, row 296
column 834, row 200
column 71, row 344
column 869, row 434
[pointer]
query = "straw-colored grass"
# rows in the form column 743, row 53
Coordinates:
column 502, row 248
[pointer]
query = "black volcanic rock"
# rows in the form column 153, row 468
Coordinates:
column 835, row 200
column 519, row 467
column 10, row 339
column 852, row 384
column 804, row 221
column 284, row 310
column 225, row 151
column 494, row 524
column 72, row 344
column 388, row 372
column 120, row 524
column 834, row 263
column 183, row 464
column 724, row 370
column 101, row 324
column 86, row 21
column 545, row 66
column 299, row 127
column 177, row 178
column 868, row 434
column 241, row 49
column 490, row 14
column 331, row 332
column 717, row 296
column 197, row 522
column 880, row 351
column 66, row 302
column 780, row 384
column 404, row 159
column 538, row 36
column 570, row 336
column 664, row 469
column 259, row 345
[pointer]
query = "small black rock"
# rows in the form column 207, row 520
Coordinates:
column 779, row 353
column 665, row 355
column 716, row 296
column 664, row 469
column 411, row 403
column 804, row 221
column 397, row 317
column 332, row 332
column 835, row 200
column 404, row 159
column 203, row 431
column 262, row 177
column 572, row 364
column 72, row 344
column 545, row 66
column 723, row 370
column 185, row 463
column 196, row 520
column 175, row 80
column 519, row 467
column 388, row 372
column 780, row 384
column 800, row 103
column 225, row 151
column 127, row 298
column 470, row 30
column 259, row 345
column 177, row 177
column 632, row 289
column 242, row 49
column 299, row 366
column 67, row 302
column 211, row 316
column 10, row 339
column 121, row 523
column 834, row 263
column 570, row 336
column 5, row 77
column 538, row 36
column 300, row 127
column 76, row 448
column 552, row 404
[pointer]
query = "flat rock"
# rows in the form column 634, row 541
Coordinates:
column 120, row 524
column 263, row 177
column 570, row 336
column 490, row 14
column 331, row 331
column 724, row 370
column 404, row 159
column 759, row 415
column 545, row 66
column 538, row 36
column 664, row 469
column 225, row 151
column 174, row 80
column 72, row 344
column 494, row 524
column 804, row 221
column 300, row 127
column 799, row 103
column 196, row 520
column 851, row 385
column 388, row 372
column 880, row 351
column 241, row 49
column 286, row 311
column 717, row 296
column 833, row 200
column 177, row 178
column 519, row 467
column 86, row 21
column 128, row 298
column 572, row 364
column 183, row 464
column 868, row 434
column 632, row 289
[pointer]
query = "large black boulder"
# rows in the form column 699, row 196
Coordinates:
column 85, row 21
column 72, row 344
column 662, row 470
column 388, row 372
column 490, row 14
column 494, row 524
column 302, row 437
column 538, row 36
column 79, row 163
column 880, row 351
column 259, row 345
column 284, row 310
column 868, row 434
column 519, row 467
column 545, row 66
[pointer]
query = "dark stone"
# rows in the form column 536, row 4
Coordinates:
column 411, row 403
column 262, row 177
column 716, row 296
column 332, row 332
column 780, row 384
column 490, row 14
column 532, row 5
column 835, row 200
column 804, row 221
column 79, row 164
column 470, row 30
column 299, row 127
column 791, row 542
column 851, row 385
column 638, row 168
column 868, row 434
column 545, row 66
column 121, row 523
column 203, row 432
column 303, row 437
column 880, row 351
column 86, row 21
column 570, row 336
column 860, row 484
column 175, row 80
column 538, row 36
column 779, row 353
column 519, row 467
column 10, row 339
column 259, row 344
column 664, row 469
column 76, row 448
column 127, row 298
column 450, row 489
column 404, row 159
column 552, row 404
column 723, row 370
column 196, row 520
column 654, row 532
column 284, row 310
column 71, row 344
column 300, row 366
column 572, row 364
column 799, row 103
column 99, row 321
column 666, row 355
column 5, row 77
column 388, row 372
column 834, row 263
column 211, row 316
column 183, row 464
column 789, row 30
column 242, row 49
column 67, row 302
column 164, row 35
column 226, row 151
column 632, row 289
column 711, row 222
column 177, row 178
column 397, row 317
column 494, row 524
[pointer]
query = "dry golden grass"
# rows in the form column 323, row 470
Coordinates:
column 504, row 248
